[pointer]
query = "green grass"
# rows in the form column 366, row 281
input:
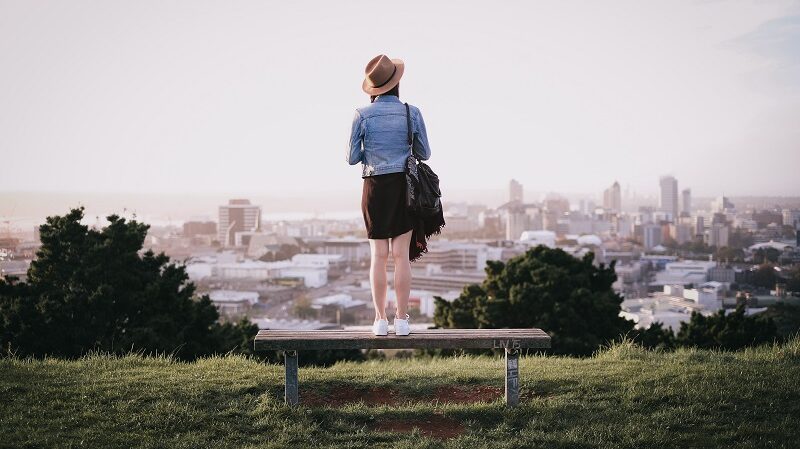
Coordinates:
column 622, row 397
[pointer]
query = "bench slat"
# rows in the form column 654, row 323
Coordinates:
column 429, row 338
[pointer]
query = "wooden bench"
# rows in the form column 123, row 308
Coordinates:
column 512, row 340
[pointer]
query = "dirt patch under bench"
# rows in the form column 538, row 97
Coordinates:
column 468, row 394
column 435, row 426
column 375, row 396
column 348, row 395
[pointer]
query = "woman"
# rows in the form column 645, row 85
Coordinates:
column 379, row 140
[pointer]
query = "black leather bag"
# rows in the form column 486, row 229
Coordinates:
column 423, row 196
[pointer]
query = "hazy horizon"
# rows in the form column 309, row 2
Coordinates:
column 22, row 210
column 214, row 97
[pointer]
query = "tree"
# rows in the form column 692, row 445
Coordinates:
column 284, row 251
column 727, row 253
column 93, row 290
column 766, row 255
column 303, row 308
column 764, row 276
column 570, row 298
column 730, row 331
column 740, row 238
column 793, row 282
column 654, row 337
column 785, row 316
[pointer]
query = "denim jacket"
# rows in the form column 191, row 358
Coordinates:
column 379, row 137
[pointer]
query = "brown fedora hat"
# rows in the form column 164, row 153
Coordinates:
column 382, row 74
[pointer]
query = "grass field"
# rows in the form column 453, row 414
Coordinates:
column 622, row 397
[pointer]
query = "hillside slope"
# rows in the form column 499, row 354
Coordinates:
column 622, row 397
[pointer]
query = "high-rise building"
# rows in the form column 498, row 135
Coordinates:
column 791, row 217
column 699, row 226
column 515, row 191
column 237, row 216
column 681, row 232
column 718, row 235
column 517, row 221
column 721, row 204
column 651, row 235
column 669, row 196
column 554, row 209
column 612, row 198
column 686, row 202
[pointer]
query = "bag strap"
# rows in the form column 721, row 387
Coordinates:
column 408, row 120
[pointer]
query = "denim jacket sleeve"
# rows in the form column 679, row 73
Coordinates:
column 421, row 148
column 354, row 150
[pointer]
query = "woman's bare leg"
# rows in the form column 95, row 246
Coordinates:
column 377, row 275
column 402, row 272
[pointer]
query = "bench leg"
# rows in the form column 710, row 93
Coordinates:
column 290, row 393
column 512, row 377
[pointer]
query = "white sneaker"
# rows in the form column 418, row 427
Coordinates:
column 401, row 326
column 380, row 327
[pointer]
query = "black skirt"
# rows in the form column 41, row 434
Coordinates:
column 383, row 204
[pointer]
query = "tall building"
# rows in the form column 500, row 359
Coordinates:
column 651, row 235
column 237, row 216
column 686, row 202
column 554, row 209
column 515, row 191
column 791, row 217
column 612, row 198
column 669, row 196
column 721, row 204
column 517, row 221
column 681, row 232
column 718, row 235
column 699, row 226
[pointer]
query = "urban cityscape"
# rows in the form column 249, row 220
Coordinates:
column 678, row 255
column 419, row 224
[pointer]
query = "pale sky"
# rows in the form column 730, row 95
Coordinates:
column 257, row 96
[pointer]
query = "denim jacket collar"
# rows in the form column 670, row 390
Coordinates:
column 389, row 98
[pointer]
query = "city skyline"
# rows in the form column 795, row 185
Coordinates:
column 706, row 92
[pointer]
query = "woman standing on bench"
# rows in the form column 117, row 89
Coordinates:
column 379, row 140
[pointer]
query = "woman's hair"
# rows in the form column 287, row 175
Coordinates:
column 394, row 91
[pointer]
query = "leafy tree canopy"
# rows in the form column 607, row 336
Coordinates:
column 571, row 299
column 92, row 290
column 734, row 330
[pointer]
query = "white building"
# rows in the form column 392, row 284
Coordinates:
column 232, row 302
column 313, row 277
column 671, row 307
column 293, row 324
column 459, row 255
column 249, row 269
column 352, row 249
column 318, row 260
column 535, row 238
column 684, row 272
column 342, row 300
